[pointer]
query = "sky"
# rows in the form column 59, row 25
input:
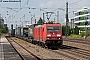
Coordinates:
column 20, row 13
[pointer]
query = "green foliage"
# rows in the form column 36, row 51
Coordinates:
column 81, row 29
column 64, row 30
column 81, row 13
column 76, row 30
column 81, row 23
column 72, row 31
column 51, row 22
column 75, row 36
column 83, row 33
column 40, row 21
column 88, row 33
column 81, row 18
column 3, row 29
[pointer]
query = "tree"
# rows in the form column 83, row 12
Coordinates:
column 76, row 30
column 3, row 29
column 63, row 30
column 40, row 21
column 50, row 22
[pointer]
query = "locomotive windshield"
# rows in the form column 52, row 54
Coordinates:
column 53, row 28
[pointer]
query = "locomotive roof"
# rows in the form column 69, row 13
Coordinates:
column 38, row 26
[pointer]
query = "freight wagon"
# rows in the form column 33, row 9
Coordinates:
column 11, row 32
column 18, row 32
column 22, row 32
column 31, row 31
column 46, row 35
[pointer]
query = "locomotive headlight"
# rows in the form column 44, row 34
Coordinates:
column 58, row 38
column 48, row 35
column 58, row 35
column 47, row 38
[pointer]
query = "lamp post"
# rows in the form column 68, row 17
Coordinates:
column 86, row 23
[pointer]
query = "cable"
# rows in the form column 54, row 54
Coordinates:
column 21, row 9
column 74, row 2
column 39, row 8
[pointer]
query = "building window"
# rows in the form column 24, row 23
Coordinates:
column 86, row 12
column 88, row 22
column 76, row 14
column 81, row 23
column 81, row 18
column 76, row 19
column 81, row 13
column 89, row 11
column 88, row 17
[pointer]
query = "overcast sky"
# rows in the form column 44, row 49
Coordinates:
column 16, row 15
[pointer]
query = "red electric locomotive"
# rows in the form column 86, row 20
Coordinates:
column 49, row 35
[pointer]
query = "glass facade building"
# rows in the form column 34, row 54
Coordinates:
column 81, row 16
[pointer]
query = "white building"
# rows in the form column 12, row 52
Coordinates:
column 81, row 16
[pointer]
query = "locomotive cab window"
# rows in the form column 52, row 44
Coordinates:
column 53, row 28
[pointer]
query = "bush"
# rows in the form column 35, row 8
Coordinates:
column 3, row 31
column 64, row 30
column 76, row 30
column 87, row 33
column 82, row 34
column 75, row 36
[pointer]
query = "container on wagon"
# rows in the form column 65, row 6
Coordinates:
column 18, row 31
column 31, row 30
column 24, row 31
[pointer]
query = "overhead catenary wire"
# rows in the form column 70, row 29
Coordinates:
column 45, row 8
column 20, row 9
column 72, row 3
column 39, row 8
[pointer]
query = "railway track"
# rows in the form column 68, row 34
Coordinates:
column 46, row 58
column 78, row 40
column 83, row 50
column 79, row 43
column 74, row 53
column 80, row 53
column 22, row 57
column 71, row 53
column 65, row 55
